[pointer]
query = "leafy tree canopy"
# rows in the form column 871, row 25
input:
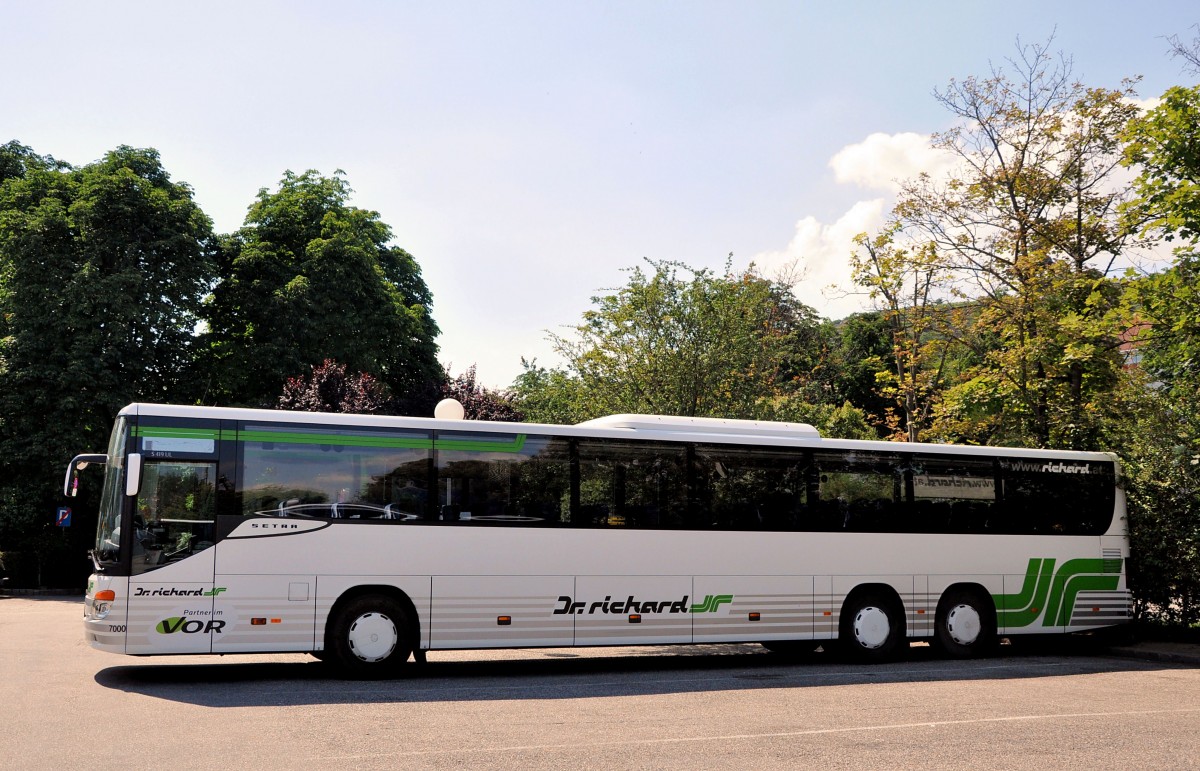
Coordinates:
column 102, row 273
column 671, row 345
column 308, row 278
column 1027, row 228
column 103, row 270
column 1165, row 144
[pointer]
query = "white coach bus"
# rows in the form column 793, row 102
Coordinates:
column 366, row 540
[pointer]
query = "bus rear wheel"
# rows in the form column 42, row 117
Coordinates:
column 965, row 625
column 370, row 637
column 871, row 628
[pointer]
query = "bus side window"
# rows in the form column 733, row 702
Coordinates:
column 507, row 479
column 750, row 488
column 341, row 474
column 1058, row 498
column 634, row 484
column 863, row 491
column 955, row 494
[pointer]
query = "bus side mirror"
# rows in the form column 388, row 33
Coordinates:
column 133, row 474
column 77, row 464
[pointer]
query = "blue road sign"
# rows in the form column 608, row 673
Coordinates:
column 64, row 517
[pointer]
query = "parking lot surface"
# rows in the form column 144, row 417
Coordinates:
column 64, row 705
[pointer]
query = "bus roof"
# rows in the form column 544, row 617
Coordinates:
column 648, row 427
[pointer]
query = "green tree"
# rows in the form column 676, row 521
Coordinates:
column 308, row 278
column 844, row 421
column 1161, row 439
column 861, row 348
column 102, row 273
column 903, row 283
column 1158, row 434
column 16, row 159
column 551, row 395
column 708, row 345
column 1165, row 145
column 1029, row 229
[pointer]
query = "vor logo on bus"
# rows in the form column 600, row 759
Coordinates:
column 189, row 625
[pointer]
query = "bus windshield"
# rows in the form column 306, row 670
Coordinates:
column 108, row 527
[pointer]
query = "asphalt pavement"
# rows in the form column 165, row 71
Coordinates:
column 1054, row 702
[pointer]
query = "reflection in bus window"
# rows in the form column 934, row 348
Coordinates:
column 174, row 517
column 1073, row 497
column 954, row 494
column 861, row 491
column 503, row 478
column 750, row 488
column 632, row 484
column 335, row 474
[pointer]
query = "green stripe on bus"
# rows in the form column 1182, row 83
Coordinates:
column 514, row 445
column 1052, row 593
column 1023, row 608
column 1078, row 584
column 1071, row 578
column 161, row 432
column 338, row 440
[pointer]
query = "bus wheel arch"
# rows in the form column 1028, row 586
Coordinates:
column 371, row 631
column 965, row 622
column 872, row 625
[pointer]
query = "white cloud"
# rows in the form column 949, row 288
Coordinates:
column 817, row 259
column 882, row 161
column 1147, row 104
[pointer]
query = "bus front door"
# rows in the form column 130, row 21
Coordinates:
column 170, row 535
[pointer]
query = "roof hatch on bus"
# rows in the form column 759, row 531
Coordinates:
column 671, row 423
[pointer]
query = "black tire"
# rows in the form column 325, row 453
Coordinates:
column 965, row 624
column 370, row 638
column 871, row 628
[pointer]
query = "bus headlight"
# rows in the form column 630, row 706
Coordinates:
column 102, row 603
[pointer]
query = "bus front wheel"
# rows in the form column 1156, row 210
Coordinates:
column 965, row 625
column 871, row 628
column 370, row 637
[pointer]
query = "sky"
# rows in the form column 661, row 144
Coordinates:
column 527, row 154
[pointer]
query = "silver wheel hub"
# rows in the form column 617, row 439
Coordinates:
column 373, row 637
column 871, row 627
column 963, row 624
